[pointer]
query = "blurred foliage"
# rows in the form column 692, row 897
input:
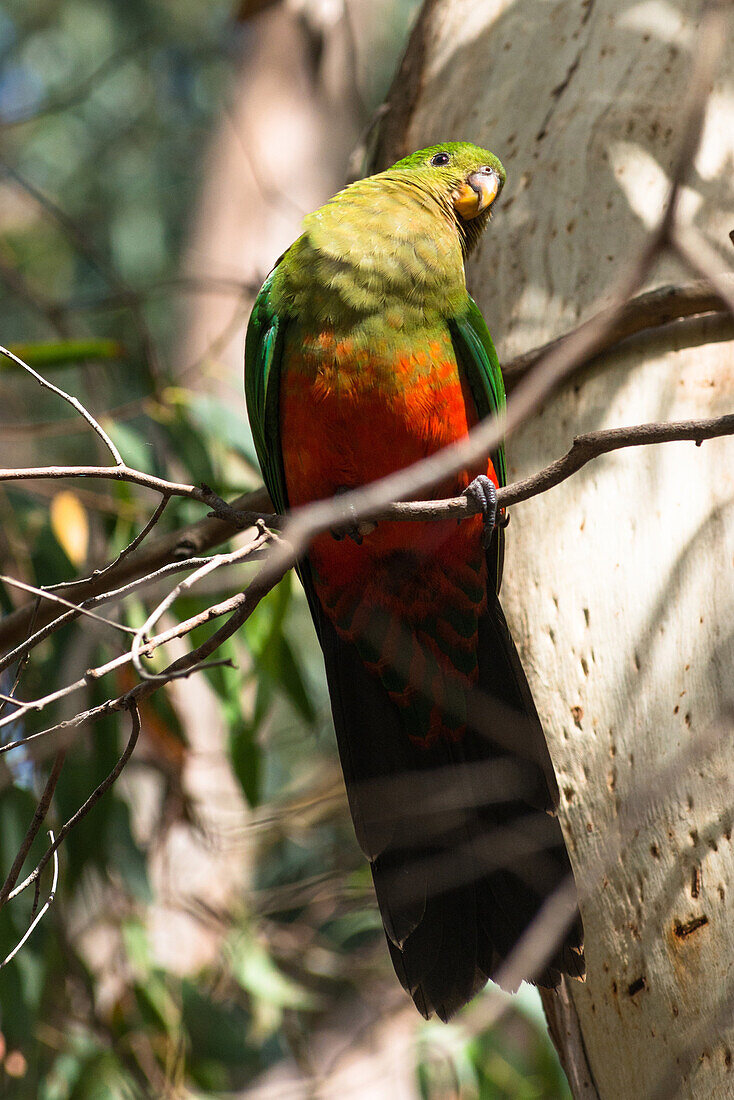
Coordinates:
column 107, row 109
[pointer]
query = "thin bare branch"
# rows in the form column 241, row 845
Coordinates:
column 656, row 307
column 98, row 574
column 45, row 594
column 217, row 562
column 84, row 809
column 93, row 674
column 40, row 915
column 120, row 472
column 694, row 250
column 113, row 595
column 640, row 314
column 593, row 444
column 169, row 552
column 73, row 401
column 584, row 449
column 241, row 606
column 38, row 819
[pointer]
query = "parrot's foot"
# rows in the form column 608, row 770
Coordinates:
column 483, row 491
column 357, row 529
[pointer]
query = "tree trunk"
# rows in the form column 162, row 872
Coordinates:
column 618, row 584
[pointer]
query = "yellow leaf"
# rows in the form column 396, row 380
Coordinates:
column 70, row 525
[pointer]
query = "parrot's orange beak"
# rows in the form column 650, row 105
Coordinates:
column 476, row 193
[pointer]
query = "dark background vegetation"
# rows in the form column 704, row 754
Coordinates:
column 214, row 931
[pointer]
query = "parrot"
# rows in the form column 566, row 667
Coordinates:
column 365, row 353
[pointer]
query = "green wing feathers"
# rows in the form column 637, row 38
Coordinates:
column 263, row 354
column 477, row 357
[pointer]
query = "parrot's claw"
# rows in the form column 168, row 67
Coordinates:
column 483, row 491
column 356, row 529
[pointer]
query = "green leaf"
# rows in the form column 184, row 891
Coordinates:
column 124, row 854
column 137, row 451
column 350, row 930
column 190, row 447
column 157, row 1006
column 135, row 938
column 257, row 973
column 273, row 654
column 224, row 423
column 103, row 1078
column 62, row 353
column 280, row 663
column 245, row 756
column 266, row 620
column 216, row 1029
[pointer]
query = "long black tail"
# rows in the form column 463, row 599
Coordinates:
column 462, row 838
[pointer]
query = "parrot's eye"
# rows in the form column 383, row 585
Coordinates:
column 440, row 158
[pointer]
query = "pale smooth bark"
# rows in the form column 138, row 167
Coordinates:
column 619, row 584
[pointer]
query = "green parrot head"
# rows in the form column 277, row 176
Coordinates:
column 464, row 177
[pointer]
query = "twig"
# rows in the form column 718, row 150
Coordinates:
column 241, row 607
column 640, row 314
column 106, row 597
column 93, row 674
column 593, row 444
column 84, row 809
column 584, row 449
column 172, row 551
column 38, row 819
column 119, row 472
column 657, row 307
column 123, row 472
column 694, row 250
column 39, row 916
column 73, row 401
column 220, row 509
column 216, row 562
column 46, row 594
column 98, row 574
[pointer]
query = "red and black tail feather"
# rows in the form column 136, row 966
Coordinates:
column 461, row 835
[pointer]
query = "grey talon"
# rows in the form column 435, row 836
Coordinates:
column 483, row 490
